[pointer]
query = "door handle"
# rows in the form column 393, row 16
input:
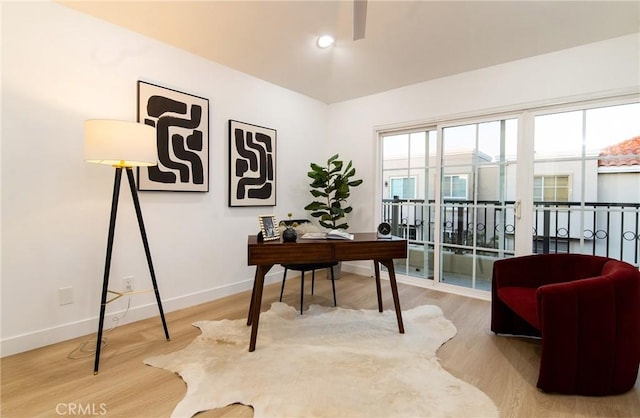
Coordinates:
column 518, row 209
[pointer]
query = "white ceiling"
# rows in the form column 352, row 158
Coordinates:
column 406, row 41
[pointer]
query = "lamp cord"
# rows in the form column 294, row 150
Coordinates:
column 88, row 347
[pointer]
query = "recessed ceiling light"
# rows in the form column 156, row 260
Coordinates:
column 325, row 41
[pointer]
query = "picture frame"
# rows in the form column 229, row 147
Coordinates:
column 252, row 165
column 182, row 127
column 269, row 227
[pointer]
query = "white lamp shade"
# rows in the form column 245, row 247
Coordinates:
column 120, row 143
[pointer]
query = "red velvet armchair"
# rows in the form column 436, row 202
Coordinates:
column 585, row 308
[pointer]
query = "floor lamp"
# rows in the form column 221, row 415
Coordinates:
column 123, row 145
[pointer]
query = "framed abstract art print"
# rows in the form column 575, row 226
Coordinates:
column 181, row 121
column 252, row 165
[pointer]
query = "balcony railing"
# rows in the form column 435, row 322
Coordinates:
column 606, row 229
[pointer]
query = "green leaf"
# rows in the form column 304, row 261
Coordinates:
column 318, row 193
column 337, row 166
column 326, row 225
column 315, row 206
column 316, row 168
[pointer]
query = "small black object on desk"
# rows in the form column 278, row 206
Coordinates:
column 289, row 234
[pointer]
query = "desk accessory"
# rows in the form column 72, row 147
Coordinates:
column 268, row 227
column 384, row 231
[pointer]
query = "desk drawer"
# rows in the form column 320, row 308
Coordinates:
column 370, row 250
column 289, row 253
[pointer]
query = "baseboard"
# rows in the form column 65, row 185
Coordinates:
column 32, row 340
column 358, row 268
column 29, row 341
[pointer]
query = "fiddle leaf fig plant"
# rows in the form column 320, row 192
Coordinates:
column 331, row 187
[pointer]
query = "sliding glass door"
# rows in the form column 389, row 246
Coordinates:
column 477, row 200
column 457, row 190
column 452, row 199
column 408, row 196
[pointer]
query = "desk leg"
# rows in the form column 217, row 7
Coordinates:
column 258, row 285
column 253, row 294
column 394, row 290
column 376, row 267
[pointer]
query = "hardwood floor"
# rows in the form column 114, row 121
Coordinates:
column 46, row 382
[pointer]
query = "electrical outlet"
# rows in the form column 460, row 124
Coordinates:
column 65, row 295
column 129, row 283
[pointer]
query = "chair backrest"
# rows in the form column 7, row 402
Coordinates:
column 542, row 269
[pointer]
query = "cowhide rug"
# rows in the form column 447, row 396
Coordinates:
column 329, row 362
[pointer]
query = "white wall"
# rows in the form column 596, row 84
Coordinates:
column 59, row 68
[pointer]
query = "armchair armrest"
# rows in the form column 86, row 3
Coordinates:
column 581, row 350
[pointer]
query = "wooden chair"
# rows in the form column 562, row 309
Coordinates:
column 302, row 268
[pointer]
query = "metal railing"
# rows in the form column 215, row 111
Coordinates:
column 598, row 228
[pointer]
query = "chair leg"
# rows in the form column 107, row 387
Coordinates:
column 333, row 286
column 301, row 291
column 313, row 280
column 284, row 277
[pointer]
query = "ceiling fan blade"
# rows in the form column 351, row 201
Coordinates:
column 359, row 18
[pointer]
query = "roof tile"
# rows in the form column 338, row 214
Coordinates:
column 629, row 148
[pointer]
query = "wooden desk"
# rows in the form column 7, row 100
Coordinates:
column 365, row 246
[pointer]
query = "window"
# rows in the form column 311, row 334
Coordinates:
column 551, row 189
column 586, row 159
column 403, row 187
column 455, row 187
column 576, row 171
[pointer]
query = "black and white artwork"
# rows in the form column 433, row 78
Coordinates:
column 182, row 132
column 252, row 165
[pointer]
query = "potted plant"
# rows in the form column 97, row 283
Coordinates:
column 331, row 187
